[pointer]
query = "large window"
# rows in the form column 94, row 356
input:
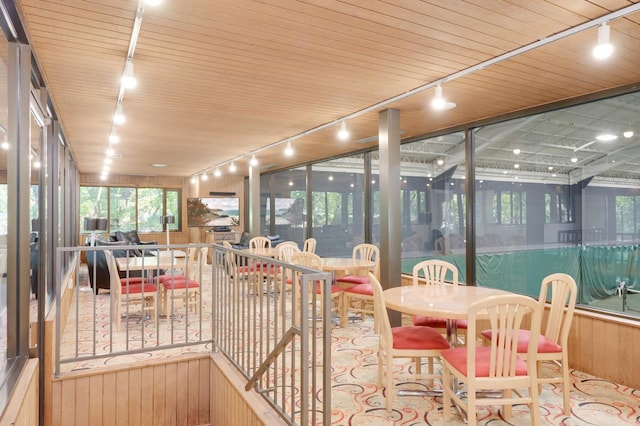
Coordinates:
column 130, row 208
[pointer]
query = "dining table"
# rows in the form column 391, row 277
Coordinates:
column 450, row 302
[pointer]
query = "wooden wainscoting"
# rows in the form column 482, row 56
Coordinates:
column 22, row 407
column 231, row 405
column 606, row 347
column 189, row 389
column 171, row 391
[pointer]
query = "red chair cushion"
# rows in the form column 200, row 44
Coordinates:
column 132, row 280
column 137, row 288
column 364, row 289
column 249, row 268
column 334, row 288
column 457, row 357
column 161, row 279
column 180, row 284
column 423, row 320
column 545, row 346
column 353, row 279
column 410, row 337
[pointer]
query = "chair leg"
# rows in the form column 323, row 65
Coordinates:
column 446, row 394
column 390, row 391
column 534, row 408
column 566, row 385
column 507, row 409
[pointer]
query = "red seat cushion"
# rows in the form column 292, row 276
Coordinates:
column 364, row 289
column 411, row 337
column 353, row 279
column 132, row 280
column 457, row 357
column 137, row 288
column 433, row 322
column 161, row 279
column 545, row 346
column 334, row 288
column 180, row 284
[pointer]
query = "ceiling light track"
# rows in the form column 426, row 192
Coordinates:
column 462, row 73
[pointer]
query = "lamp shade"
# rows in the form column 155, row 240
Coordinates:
column 167, row 220
column 95, row 223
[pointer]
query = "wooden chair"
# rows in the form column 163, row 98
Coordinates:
column 309, row 245
column 257, row 243
column 183, row 287
column 436, row 273
column 553, row 339
column 497, row 366
column 129, row 292
column 250, row 275
column 402, row 342
column 313, row 261
column 285, row 252
column 358, row 293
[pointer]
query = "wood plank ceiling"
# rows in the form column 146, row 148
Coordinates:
column 219, row 79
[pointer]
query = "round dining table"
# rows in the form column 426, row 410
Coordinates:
column 449, row 302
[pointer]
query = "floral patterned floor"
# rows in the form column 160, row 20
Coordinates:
column 356, row 399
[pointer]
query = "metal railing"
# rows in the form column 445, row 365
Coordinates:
column 245, row 306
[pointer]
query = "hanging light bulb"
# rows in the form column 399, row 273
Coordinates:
column 343, row 133
column 5, row 142
column 204, row 176
column 194, row 179
column 254, row 161
column 108, row 160
column 217, row 173
column 119, row 117
column 110, row 152
column 604, row 48
column 288, row 151
column 113, row 138
column 232, row 167
column 438, row 102
column 128, row 78
column 290, row 182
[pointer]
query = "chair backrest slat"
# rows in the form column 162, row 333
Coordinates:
column 435, row 273
column 563, row 302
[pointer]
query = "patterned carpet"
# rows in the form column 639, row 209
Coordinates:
column 356, row 399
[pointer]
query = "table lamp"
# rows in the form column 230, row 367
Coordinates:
column 93, row 224
column 166, row 221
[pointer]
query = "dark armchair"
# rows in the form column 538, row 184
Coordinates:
column 131, row 237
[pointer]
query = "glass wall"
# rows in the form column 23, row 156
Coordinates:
column 558, row 192
column 4, row 230
column 289, row 204
column 337, row 205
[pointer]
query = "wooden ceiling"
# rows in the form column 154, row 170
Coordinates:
column 219, row 79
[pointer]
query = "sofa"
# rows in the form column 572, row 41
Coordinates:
column 97, row 262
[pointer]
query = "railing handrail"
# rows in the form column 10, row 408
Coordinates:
column 280, row 347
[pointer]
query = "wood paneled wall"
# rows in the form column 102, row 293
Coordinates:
column 606, row 347
column 231, row 405
column 22, row 407
column 162, row 392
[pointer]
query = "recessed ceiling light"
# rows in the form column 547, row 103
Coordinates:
column 606, row 137
column 628, row 134
column 516, row 151
column 516, row 166
column 574, row 160
column 159, row 164
column 550, row 167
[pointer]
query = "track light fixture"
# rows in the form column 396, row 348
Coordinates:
column 128, row 78
column 232, row 167
column 604, row 48
column 119, row 117
column 217, row 173
column 113, row 138
column 110, row 152
column 254, row 161
column 153, row 2
column 439, row 103
column 194, row 179
column 5, row 142
column 204, row 176
column 288, row 151
column 343, row 133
